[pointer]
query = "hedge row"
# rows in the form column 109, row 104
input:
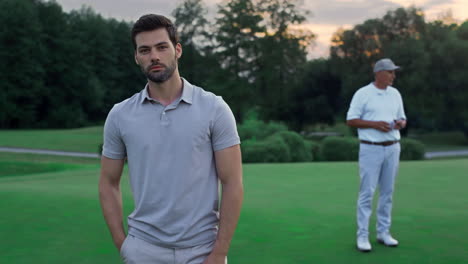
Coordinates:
column 347, row 148
column 283, row 146
column 254, row 129
column 340, row 148
column 287, row 146
column 412, row 149
column 272, row 142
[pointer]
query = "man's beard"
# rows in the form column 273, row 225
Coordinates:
column 160, row 76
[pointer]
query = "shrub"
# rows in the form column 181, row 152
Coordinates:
column 318, row 132
column 100, row 149
column 258, row 130
column 314, row 149
column 273, row 149
column 340, row 148
column 464, row 127
column 412, row 149
column 297, row 147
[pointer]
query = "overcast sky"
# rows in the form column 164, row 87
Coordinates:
column 326, row 15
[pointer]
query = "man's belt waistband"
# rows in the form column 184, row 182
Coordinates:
column 384, row 143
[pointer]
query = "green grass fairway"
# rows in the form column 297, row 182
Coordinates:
column 81, row 139
column 8, row 168
column 35, row 158
column 292, row 214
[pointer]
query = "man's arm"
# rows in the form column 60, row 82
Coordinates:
column 229, row 169
column 110, row 197
column 379, row 125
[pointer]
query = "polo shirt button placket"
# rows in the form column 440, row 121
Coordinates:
column 164, row 119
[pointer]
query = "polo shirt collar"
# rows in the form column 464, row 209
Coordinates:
column 144, row 95
column 378, row 90
column 187, row 93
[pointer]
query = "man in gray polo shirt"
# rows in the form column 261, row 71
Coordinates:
column 377, row 111
column 179, row 140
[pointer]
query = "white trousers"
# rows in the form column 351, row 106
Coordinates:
column 138, row 251
column 378, row 165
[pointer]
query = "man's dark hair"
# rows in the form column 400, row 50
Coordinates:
column 152, row 22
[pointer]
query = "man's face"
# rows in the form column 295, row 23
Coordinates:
column 385, row 77
column 156, row 55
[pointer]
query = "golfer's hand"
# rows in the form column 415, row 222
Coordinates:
column 400, row 124
column 382, row 126
column 215, row 259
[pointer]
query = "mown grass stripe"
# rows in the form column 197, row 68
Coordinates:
column 292, row 214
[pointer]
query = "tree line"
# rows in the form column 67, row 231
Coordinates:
column 68, row 69
column 61, row 70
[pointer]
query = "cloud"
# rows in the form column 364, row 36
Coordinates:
column 326, row 15
column 423, row 3
column 341, row 12
column 324, row 33
column 459, row 9
column 122, row 10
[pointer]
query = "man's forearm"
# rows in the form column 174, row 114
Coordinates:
column 111, row 204
column 379, row 125
column 231, row 202
column 359, row 123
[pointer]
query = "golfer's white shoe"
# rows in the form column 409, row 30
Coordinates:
column 363, row 244
column 387, row 240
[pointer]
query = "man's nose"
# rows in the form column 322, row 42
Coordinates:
column 154, row 55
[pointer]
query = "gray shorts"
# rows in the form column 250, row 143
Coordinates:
column 138, row 251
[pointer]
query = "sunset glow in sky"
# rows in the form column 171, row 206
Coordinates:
column 326, row 15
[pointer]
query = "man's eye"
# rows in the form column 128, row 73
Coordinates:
column 144, row 50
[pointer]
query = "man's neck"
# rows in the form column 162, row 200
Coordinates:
column 380, row 85
column 166, row 92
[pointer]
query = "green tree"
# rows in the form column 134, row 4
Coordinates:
column 317, row 99
column 447, row 69
column 126, row 79
column 100, row 69
column 462, row 35
column 238, row 30
column 22, row 56
column 62, row 70
column 198, row 64
column 281, row 56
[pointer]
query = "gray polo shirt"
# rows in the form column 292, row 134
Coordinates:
column 171, row 163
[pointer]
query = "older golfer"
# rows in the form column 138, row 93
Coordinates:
column 377, row 111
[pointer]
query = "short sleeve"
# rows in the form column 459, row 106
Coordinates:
column 356, row 107
column 114, row 147
column 401, row 110
column 224, row 130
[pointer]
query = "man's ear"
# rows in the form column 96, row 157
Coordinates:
column 178, row 49
column 135, row 56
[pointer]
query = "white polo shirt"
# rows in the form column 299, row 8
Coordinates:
column 373, row 104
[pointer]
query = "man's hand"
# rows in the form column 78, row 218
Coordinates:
column 119, row 244
column 400, row 124
column 214, row 258
column 382, row 126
